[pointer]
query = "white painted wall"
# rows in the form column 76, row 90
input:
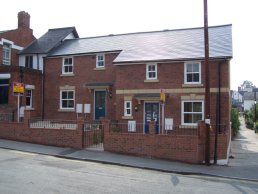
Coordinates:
column 37, row 61
column 70, row 36
column 237, row 96
column 248, row 104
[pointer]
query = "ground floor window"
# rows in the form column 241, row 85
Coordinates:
column 128, row 108
column 67, row 99
column 192, row 112
column 4, row 90
column 28, row 98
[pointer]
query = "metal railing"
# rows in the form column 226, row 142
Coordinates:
column 52, row 124
column 140, row 128
column 7, row 117
column 127, row 127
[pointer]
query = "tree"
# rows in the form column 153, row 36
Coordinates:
column 235, row 121
column 247, row 84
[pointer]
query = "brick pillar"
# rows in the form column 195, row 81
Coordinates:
column 80, row 123
column 106, row 125
column 152, row 127
column 201, row 143
column 27, row 117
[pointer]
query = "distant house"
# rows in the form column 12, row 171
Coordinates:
column 237, row 100
column 249, row 100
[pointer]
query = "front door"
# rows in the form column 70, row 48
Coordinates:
column 151, row 113
column 100, row 104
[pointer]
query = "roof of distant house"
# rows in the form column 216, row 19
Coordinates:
column 180, row 44
column 49, row 40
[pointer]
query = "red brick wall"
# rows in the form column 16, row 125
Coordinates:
column 84, row 72
column 171, row 76
column 55, row 137
column 30, row 77
column 187, row 148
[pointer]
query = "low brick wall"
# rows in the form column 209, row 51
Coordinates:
column 186, row 148
column 56, row 137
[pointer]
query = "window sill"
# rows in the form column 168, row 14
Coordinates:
column 27, row 108
column 66, row 110
column 67, row 75
column 99, row 68
column 127, row 117
column 192, row 85
column 151, row 80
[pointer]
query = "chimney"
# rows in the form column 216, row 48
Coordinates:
column 23, row 20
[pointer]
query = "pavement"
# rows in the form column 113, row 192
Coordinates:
column 243, row 165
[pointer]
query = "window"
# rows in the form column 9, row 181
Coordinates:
column 29, row 62
column 192, row 112
column 193, row 73
column 100, row 61
column 128, row 108
column 67, row 66
column 151, row 71
column 28, row 98
column 67, row 99
column 6, row 54
column 4, row 90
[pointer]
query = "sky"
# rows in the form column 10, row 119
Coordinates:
column 104, row 17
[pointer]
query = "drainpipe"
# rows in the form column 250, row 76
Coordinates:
column 218, row 112
column 43, row 90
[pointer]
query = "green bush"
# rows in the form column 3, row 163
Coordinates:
column 235, row 120
column 249, row 123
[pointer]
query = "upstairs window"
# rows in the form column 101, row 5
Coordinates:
column 151, row 71
column 193, row 73
column 29, row 62
column 100, row 61
column 6, row 54
column 67, row 66
column 128, row 108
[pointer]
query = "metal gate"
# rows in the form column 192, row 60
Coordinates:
column 93, row 136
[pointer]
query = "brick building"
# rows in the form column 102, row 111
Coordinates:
column 22, row 60
column 11, row 43
column 120, row 77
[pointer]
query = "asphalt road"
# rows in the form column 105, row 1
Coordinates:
column 22, row 172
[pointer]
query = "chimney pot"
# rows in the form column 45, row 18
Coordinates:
column 23, row 20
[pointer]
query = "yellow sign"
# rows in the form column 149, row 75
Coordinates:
column 162, row 95
column 18, row 87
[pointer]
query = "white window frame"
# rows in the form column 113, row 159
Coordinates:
column 7, row 49
column 98, row 61
column 30, row 61
column 185, row 72
column 31, row 96
column 155, row 71
column 61, row 100
column 182, row 112
column 67, row 65
column 126, row 108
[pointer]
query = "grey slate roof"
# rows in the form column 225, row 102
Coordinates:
column 182, row 44
column 49, row 40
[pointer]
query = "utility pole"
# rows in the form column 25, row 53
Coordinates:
column 207, row 85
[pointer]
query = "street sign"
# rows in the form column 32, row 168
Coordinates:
column 162, row 95
column 18, row 89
